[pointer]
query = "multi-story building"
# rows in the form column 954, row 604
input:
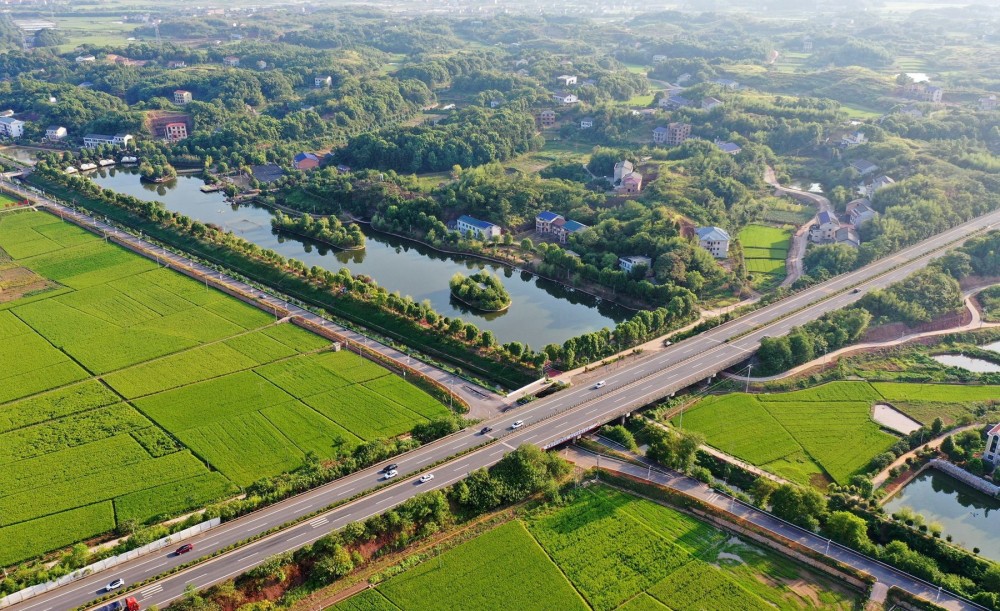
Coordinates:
column 483, row 230
column 715, row 240
column 547, row 118
column 677, row 133
column 94, row 140
column 175, row 131
column 11, row 127
column 992, row 451
column 182, row 97
column 55, row 132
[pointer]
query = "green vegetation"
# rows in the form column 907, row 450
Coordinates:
column 482, row 290
column 327, row 229
column 765, row 250
column 805, row 436
column 245, row 397
column 616, row 551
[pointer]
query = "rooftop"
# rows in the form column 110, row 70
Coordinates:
column 478, row 224
column 547, row 216
column 712, row 234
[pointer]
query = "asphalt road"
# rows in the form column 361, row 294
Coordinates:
column 547, row 423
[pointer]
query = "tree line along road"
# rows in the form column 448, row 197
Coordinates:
column 548, row 423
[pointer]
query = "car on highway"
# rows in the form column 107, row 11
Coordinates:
column 855, row 291
column 600, row 384
column 391, row 467
column 486, row 429
column 390, row 474
column 187, row 547
column 517, row 424
column 426, row 477
column 114, row 585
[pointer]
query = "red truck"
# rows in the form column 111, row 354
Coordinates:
column 125, row 604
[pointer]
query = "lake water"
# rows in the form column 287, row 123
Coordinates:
column 542, row 312
column 969, row 516
column 966, row 362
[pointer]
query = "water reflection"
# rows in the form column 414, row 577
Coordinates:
column 969, row 516
column 542, row 312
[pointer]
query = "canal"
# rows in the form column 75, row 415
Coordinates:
column 542, row 312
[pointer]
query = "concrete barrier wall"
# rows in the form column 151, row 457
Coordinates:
column 965, row 477
column 107, row 563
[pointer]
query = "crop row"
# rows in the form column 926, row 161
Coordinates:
column 365, row 413
column 503, row 569
column 831, row 391
column 172, row 498
column 936, row 393
column 765, row 266
column 368, row 600
column 608, row 555
column 52, row 532
column 700, row 586
column 70, row 464
column 48, row 500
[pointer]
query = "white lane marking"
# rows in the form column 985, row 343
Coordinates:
column 385, row 500
column 318, row 521
column 299, row 535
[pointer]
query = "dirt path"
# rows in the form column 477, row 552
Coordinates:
column 883, row 475
column 800, row 239
column 977, row 322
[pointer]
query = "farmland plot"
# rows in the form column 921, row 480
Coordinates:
column 198, row 420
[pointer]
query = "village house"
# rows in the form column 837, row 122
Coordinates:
column 807, row 44
column 853, row 139
column 992, row 451
column 55, row 132
column 847, row 234
column 586, row 122
column 466, row 225
column 566, row 80
column 85, row 59
column 547, row 118
column 825, row 229
column 710, row 103
column 565, row 98
column 544, row 220
column 320, row 82
column 729, row 147
column 182, row 97
column 231, row 60
column 175, row 131
column 673, row 101
column 860, row 211
column 11, row 128
column 659, row 59
column 175, row 64
column 267, row 173
column 660, row 135
column 95, row 140
column 622, row 168
column 631, row 183
column 677, row 133
column 496, row 103
column 261, row 64
column 305, row 161
column 864, row 167
column 869, row 189
column 562, row 229
column 924, row 91
column 627, row 264
column 726, row 83
column 988, row 103
column 715, row 240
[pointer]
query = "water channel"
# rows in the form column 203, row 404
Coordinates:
column 543, row 312
column 969, row 516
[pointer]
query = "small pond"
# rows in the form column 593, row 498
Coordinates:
column 892, row 418
column 542, row 312
column 966, row 362
column 969, row 516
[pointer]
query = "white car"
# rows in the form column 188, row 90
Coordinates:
column 114, row 585
column 426, row 478
column 391, row 473
column 517, row 424
column 600, row 384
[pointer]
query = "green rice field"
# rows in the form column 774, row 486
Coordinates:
column 605, row 550
column 765, row 250
column 131, row 392
column 819, row 434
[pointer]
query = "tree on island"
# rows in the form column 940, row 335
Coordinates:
column 156, row 168
column 483, row 291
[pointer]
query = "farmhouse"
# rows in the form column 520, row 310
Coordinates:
column 726, row 83
column 729, row 147
column 306, row 161
column 710, row 103
column 562, row 230
column 988, row 103
column 467, row 225
column 628, row 263
column 322, row 81
column 94, row 140
column 175, row 131
column 55, row 132
column 825, row 229
column 673, row 135
column 631, row 183
column 860, row 211
column 566, row 80
column 586, row 122
column 175, row 64
column 231, row 60
column 863, row 166
column 992, row 452
column 622, row 168
column 547, row 118
column 544, row 220
column 11, row 127
column 715, row 240
column 869, row 189
column 565, row 98
column 182, row 97
column 853, row 139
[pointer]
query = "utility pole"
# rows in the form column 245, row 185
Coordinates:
column 749, row 367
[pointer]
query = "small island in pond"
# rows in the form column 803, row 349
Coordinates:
column 157, row 169
column 482, row 291
column 327, row 230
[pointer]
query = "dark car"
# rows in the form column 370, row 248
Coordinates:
column 187, row 547
column 391, row 467
column 485, row 429
column 855, row 291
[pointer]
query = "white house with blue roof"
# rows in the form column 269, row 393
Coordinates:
column 466, row 225
column 715, row 240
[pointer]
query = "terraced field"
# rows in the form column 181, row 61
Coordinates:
column 605, row 550
column 128, row 391
column 824, row 433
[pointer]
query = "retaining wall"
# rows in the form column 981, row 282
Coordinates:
column 965, row 477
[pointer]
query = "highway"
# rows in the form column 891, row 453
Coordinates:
column 548, row 422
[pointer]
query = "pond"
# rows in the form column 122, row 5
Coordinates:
column 891, row 418
column 23, row 154
column 966, row 362
column 969, row 516
column 542, row 312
